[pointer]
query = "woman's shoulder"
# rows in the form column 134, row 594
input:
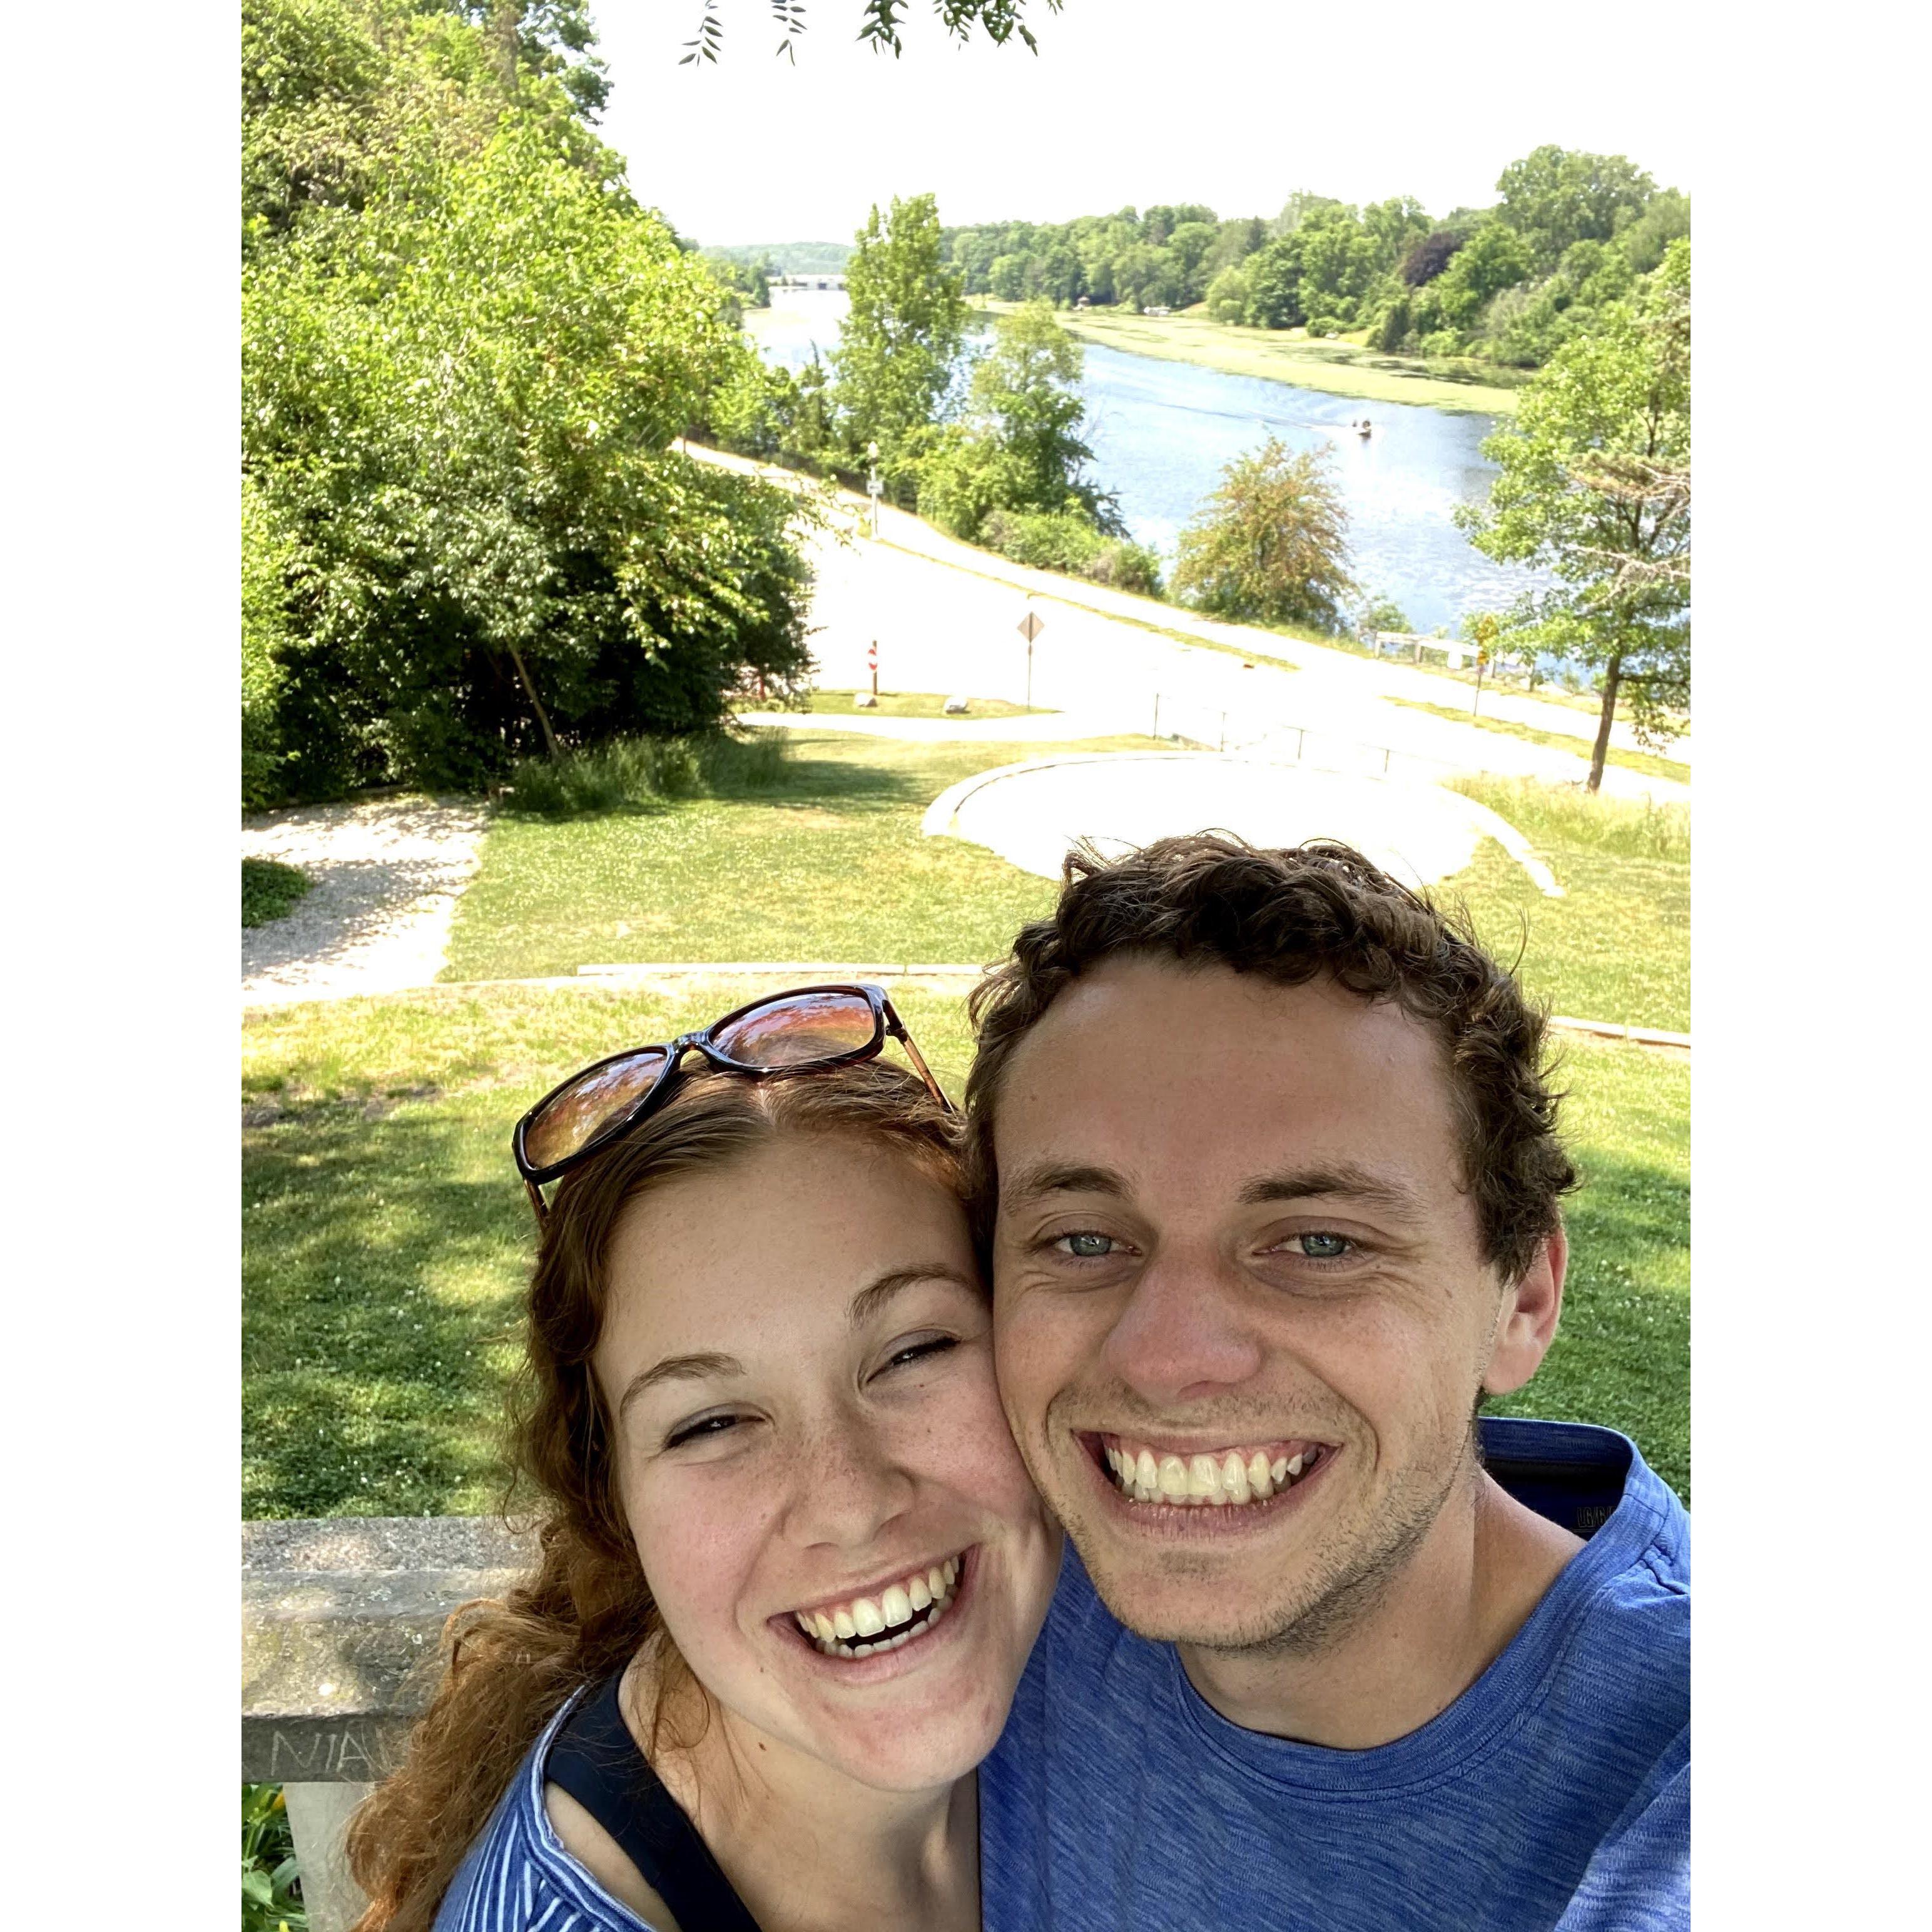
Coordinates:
column 522, row 1871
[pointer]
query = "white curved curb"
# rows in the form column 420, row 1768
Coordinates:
column 942, row 815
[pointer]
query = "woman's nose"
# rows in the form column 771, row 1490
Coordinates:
column 848, row 1486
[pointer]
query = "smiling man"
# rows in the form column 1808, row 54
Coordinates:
column 1267, row 1165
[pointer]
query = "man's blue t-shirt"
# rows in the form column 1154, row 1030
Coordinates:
column 1554, row 1792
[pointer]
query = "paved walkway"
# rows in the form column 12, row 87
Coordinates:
column 388, row 875
column 1030, row 813
column 944, row 616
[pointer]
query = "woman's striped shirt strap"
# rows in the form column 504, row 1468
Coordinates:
column 518, row 1877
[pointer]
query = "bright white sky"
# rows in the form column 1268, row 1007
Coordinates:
column 1235, row 104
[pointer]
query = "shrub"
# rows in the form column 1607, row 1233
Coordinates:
column 1064, row 540
column 272, row 1896
column 635, row 774
column 269, row 889
column 1127, row 566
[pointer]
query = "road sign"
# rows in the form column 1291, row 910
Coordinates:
column 1031, row 625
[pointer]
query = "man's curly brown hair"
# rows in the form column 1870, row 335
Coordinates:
column 1292, row 916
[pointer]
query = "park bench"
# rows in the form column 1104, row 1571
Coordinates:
column 341, row 1626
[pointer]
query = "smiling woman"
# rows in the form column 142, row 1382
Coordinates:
column 792, row 1564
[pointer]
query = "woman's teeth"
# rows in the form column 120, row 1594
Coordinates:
column 898, row 1614
column 1226, row 1476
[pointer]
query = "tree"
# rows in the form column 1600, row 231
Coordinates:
column 900, row 335
column 1019, row 449
column 1000, row 20
column 1595, row 487
column 1025, row 393
column 1555, row 197
column 458, row 410
column 1273, row 277
column 1271, row 545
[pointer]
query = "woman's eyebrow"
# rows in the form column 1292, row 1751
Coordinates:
column 871, row 1298
column 673, row 1367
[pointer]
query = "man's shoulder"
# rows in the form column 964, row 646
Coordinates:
column 1615, row 1627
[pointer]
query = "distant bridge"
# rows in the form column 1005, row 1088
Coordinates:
column 830, row 278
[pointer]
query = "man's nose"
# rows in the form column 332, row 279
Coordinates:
column 848, row 1485
column 1182, row 1334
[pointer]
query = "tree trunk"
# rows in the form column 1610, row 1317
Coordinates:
column 1612, row 677
column 543, row 716
column 505, row 17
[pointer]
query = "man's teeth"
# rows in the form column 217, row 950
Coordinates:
column 898, row 1614
column 1226, row 1476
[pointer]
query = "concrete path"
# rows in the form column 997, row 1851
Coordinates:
column 388, row 875
column 1030, row 813
column 945, row 617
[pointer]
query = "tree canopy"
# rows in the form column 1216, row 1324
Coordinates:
column 467, row 354
column 879, row 20
column 1595, row 487
column 1569, row 234
column 1271, row 544
column 900, row 335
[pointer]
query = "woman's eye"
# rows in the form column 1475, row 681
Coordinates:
column 706, row 1425
column 1085, row 1247
column 916, row 1351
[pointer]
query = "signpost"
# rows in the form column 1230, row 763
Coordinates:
column 1030, row 626
column 1484, row 630
column 872, row 665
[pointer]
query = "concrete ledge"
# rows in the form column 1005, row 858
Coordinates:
column 341, row 1624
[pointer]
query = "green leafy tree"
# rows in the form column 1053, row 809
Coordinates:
column 1000, row 20
column 900, row 338
column 1595, row 487
column 1555, row 197
column 1229, row 294
column 1025, row 392
column 1493, row 258
column 460, row 407
column 1019, row 448
column 1271, row 544
column 1273, row 277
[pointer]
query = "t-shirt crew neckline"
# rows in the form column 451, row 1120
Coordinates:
column 1502, row 1699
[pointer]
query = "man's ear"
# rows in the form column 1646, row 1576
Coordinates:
column 1526, row 1321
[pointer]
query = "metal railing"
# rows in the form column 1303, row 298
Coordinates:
column 1279, row 740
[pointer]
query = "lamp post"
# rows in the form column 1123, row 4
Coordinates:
column 873, row 486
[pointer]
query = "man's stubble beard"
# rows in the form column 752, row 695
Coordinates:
column 1343, row 1586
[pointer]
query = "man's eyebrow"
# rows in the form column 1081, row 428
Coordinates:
column 674, row 1367
column 870, row 1299
column 1346, row 1181
column 1034, row 1184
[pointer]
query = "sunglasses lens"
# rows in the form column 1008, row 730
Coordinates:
column 799, row 1029
column 590, row 1103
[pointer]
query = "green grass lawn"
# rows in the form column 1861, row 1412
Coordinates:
column 1646, row 762
column 917, row 704
column 1617, row 946
column 269, row 889
column 829, row 864
column 386, row 1236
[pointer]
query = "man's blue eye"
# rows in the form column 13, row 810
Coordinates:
column 1089, row 1247
column 1324, row 1247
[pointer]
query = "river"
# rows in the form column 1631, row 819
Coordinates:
column 1161, row 432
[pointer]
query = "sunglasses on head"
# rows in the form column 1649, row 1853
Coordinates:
column 805, row 1030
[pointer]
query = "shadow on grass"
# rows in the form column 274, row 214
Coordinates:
column 382, row 1291
column 826, row 781
column 1622, row 1354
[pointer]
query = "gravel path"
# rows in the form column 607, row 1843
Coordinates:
column 387, row 875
